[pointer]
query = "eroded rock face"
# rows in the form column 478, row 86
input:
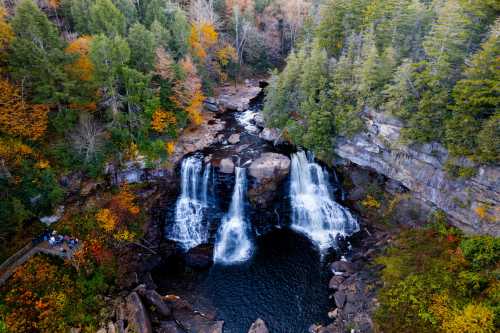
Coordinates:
column 138, row 318
column 259, row 326
column 420, row 168
column 268, row 171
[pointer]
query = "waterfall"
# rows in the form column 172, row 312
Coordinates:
column 189, row 228
column 314, row 212
column 233, row 244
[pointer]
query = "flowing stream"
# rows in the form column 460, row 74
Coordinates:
column 314, row 212
column 233, row 243
column 189, row 228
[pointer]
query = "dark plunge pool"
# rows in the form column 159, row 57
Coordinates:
column 284, row 283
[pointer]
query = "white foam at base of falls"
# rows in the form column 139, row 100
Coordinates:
column 314, row 212
column 189, row 229
column 233, row 243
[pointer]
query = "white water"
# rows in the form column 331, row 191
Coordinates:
column 246, row 119
column 189, row 230
column 314, row 212
column 233, row 244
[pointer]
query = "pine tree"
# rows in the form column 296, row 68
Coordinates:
column 339, row 19
column 105, row 18
column 128, row 9
column 79, row 13
column 477, row 97
column 37, row 58
column 109, row 56
column 142, row 48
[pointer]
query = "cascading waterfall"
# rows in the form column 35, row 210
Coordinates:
column 314, row 212
column 233, row 244
column 189, row 229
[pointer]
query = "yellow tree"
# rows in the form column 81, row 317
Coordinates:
column 82, row 68
column 19, row 118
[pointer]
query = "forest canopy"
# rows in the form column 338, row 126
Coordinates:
column 432, row 64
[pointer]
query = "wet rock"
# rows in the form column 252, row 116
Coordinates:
column 234, row 138
column 154, row 299
column 270, row 134
column 138, row 318
column 211, row 104
column 333, row 314
column 169, row 327
column 200, row 257
column 335, row 282
column 342, row 266
column 226, row 165
column 340, row 298
column 259, row 326
column 270, row 166
column 259, row 121
column 198, row 323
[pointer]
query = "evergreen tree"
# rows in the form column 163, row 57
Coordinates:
column 37, row 58
column 79, row 12
column 142, row 48
column 128, row 9
column 161, row 35
column 105, row 18
column 109, row 56
column 477, row 97
column 339, row 19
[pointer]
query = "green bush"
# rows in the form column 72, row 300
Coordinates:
column 481, row 251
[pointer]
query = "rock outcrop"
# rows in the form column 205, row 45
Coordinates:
column 471, row 204
column 226, row 165
column 270, row 166
column 138, row 317
column 259, row 326
column 267, row 171
column 238, row 98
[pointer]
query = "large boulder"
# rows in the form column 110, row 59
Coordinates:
column 267, row 171
column 154, row 299
column 138, row 318
column 259, row 326
column 226, row 165
column 234, row 138
column 200, row 257
column 270, row 166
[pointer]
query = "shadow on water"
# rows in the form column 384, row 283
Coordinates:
column 284, row 283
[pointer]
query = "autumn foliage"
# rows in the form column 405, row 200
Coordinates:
column 202, row 38
column 122, row 211
column 162, row 120
column 82, row 68
column 18, row 117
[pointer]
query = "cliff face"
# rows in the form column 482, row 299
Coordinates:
column 472, row 204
